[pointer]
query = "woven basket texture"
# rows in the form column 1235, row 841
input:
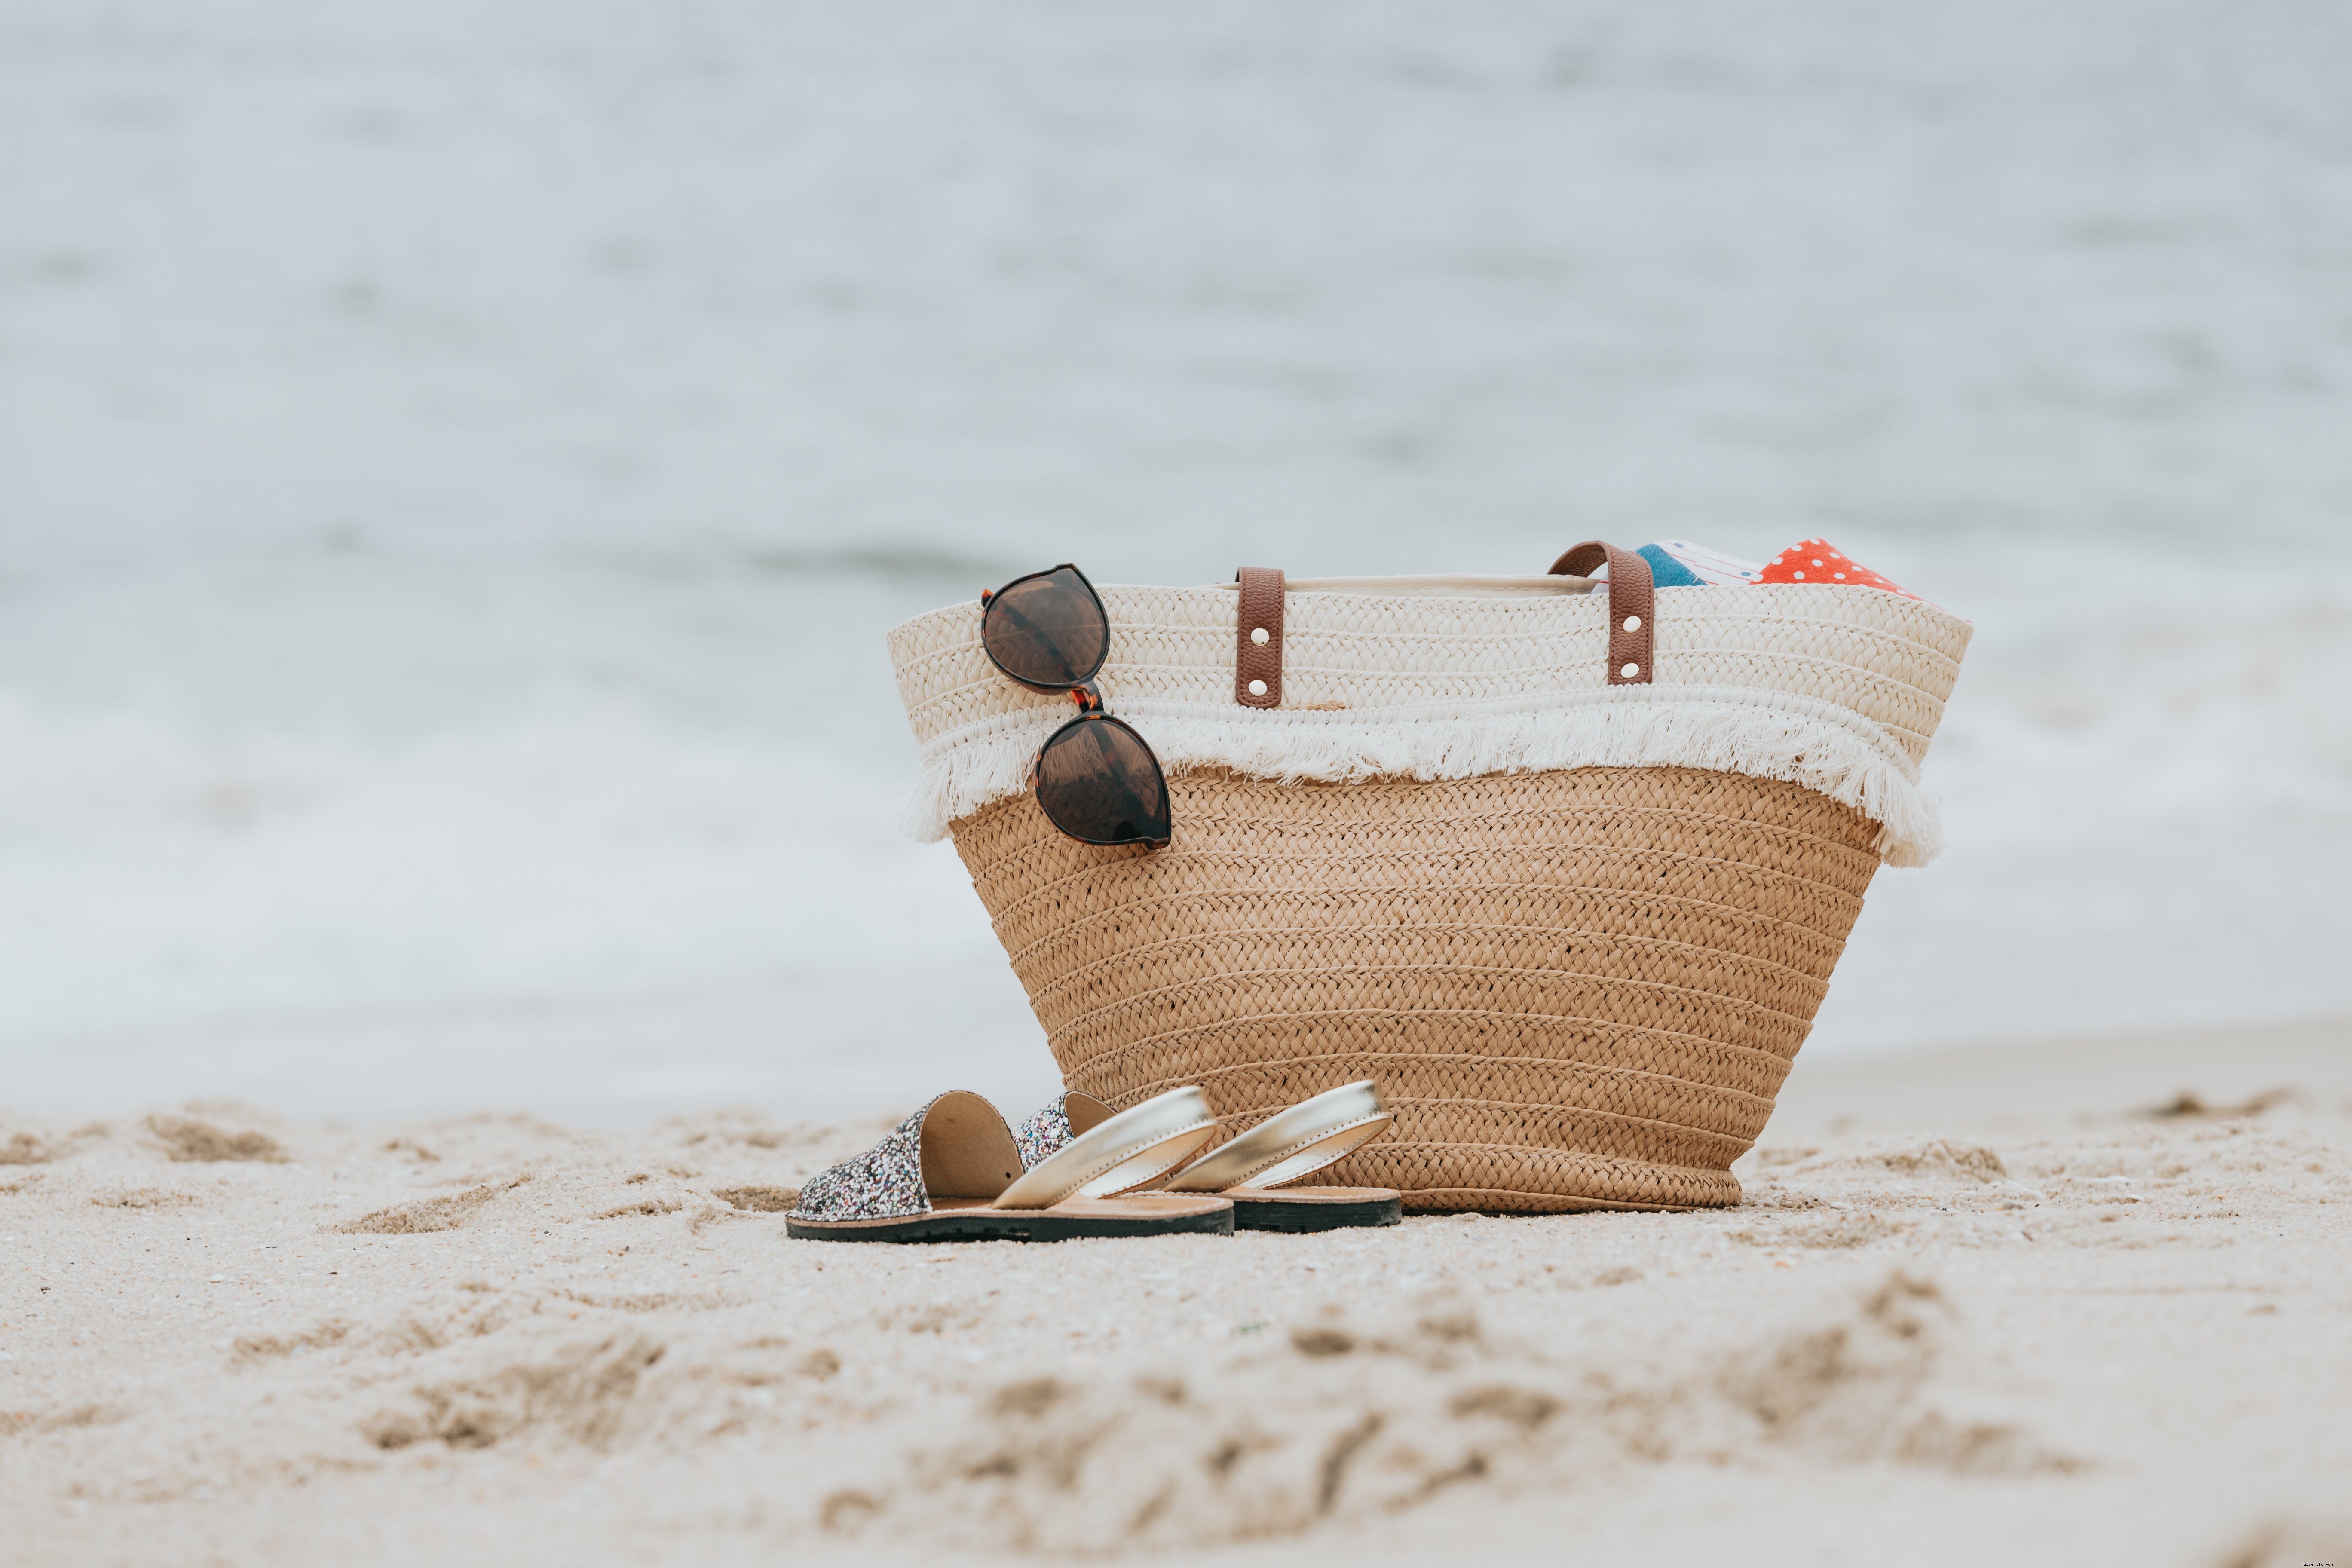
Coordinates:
column 1577, row 988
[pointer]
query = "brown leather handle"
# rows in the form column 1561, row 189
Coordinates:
column 1632, row 606
column 1257, row 638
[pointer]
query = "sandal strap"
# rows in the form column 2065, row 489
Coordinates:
column 884, row 1183
column 1045, row 1134
column 1133, row 1149
column 1292, row 1143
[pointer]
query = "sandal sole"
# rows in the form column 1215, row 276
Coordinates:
column 1272, row 1214
column 1012, row 1225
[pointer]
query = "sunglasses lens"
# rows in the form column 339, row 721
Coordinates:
column 1048, row 630
column 1098, row 783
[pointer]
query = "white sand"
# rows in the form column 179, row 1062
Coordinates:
column 1977, row 1308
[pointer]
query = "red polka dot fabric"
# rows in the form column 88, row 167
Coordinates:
column 1814, row 561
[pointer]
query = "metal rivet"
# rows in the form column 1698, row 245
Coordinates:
column 1257, row 688
column 1261, row 637
column 1632, row 623
column 1630, row 671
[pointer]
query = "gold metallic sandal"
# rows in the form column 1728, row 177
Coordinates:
column 1283, row 1147
column 1293, row 1144
column 954, row 1171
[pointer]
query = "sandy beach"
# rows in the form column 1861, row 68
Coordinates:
column 2061, row 1303
column 458, row 465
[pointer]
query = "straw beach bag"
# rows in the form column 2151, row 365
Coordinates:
column 1570, row 891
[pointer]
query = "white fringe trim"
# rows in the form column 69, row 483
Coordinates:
column 1740, row 730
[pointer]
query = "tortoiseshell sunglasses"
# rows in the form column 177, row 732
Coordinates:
column 1095, row 778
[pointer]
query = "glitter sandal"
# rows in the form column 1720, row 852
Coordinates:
column 954, row 1172
column 1283, row 1147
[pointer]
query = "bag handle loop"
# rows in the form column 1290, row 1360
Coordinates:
column 1633, row 609
column 1257, row 638
column 1632, row 606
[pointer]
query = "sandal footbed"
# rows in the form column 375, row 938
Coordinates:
column 1312, row 1194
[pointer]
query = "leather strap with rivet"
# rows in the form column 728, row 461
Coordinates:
column 1633, row 605
column 1257, row 638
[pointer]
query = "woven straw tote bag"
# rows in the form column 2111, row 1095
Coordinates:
column 1570, row 891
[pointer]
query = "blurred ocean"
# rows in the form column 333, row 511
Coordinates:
column 458, row 462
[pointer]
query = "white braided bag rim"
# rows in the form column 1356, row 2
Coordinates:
column 1836, row 688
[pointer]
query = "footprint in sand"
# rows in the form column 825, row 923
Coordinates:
column 428, row 1214
column 23, row 1149
column 759, row 1200
column 187, row 1140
